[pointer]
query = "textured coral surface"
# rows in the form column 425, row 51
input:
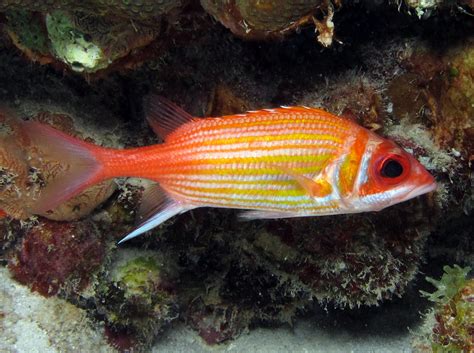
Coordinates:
column 58, row 256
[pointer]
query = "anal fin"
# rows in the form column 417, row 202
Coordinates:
column 156, row 208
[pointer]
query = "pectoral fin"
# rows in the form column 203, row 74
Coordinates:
column 318, row 187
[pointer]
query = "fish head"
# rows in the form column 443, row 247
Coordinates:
column 389, row 175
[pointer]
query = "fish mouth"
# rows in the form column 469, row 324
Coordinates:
column 417, row 191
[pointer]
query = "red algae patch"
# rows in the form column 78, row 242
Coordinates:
column 56, row 256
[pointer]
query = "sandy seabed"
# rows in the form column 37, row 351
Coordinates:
column 31, row 323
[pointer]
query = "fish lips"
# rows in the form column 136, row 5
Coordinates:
column 420, row 190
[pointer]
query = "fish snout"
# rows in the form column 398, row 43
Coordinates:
column 424, row 182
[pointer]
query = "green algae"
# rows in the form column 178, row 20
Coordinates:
column 453, row 312
column 453, row 279
column 139, row 276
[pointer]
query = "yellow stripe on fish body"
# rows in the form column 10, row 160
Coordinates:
column 236, row 162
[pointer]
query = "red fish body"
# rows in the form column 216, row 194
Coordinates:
column 285, row 162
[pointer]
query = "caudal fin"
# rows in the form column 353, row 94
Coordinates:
column 82, row 168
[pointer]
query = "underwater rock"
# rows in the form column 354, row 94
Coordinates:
column 438, row 91
column 217, row 322
column 432, row 102
column 56, row 257
column 95, row 42
column 26, row 30
column 91, row 43
column 224, row 101
column 253, row 19
column 235, row 275
column 337, row 252
column 136, row 298
column 249, row 291
column 450, row 325
column 25, row 171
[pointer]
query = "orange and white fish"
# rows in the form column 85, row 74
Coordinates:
column 275, row 163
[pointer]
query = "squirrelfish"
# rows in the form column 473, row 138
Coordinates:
column 274, row 163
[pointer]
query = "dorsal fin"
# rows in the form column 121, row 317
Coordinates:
column 164, row 116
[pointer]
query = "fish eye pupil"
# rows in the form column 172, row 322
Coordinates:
column 391, row 169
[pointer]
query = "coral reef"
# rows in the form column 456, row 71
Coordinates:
column 433, row 102
column 83, row 42
column 409, row 80
column 58, row 257
column 450, row 324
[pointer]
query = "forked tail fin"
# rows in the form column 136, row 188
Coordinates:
column 82, row 167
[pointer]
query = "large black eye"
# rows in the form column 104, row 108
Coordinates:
column 391, row 169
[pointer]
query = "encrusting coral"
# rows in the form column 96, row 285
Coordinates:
column 58, row 257
column 252, row 19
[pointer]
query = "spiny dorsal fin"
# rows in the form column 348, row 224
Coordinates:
column 164, row 116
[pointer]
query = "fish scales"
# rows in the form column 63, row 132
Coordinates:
column 253, row 150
